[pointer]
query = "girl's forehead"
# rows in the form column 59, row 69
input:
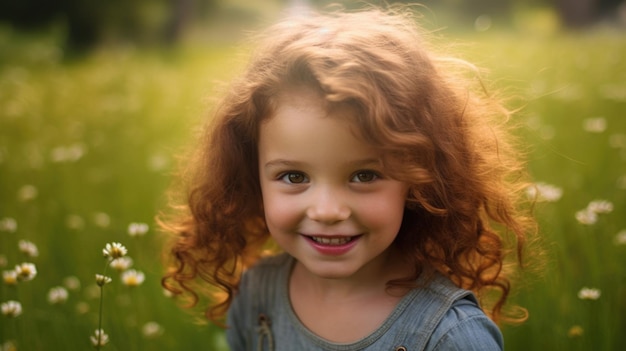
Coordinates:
column 305, row 133
column 307, row 98
column 299, row 105
column 302, row 96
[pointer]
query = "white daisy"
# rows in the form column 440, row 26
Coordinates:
column 28, row 248
column 72, row 283
column 121, row 264
column 137, row 229
column 102, row 219
column 620, row 238
column 589, row 215
column 600, row 206
column 11, row 308
column 151, row 330
column 57, row 295
column 114, row 250
column 101, row 280
column 9, row 277
column 75, row 222
column 99, row 338
column 586, row 217
column 8, row 225
column 544, row 192
column 595, row 125
column 133, row 277
column 26, row 271
column 589, row 294
column 27, row 193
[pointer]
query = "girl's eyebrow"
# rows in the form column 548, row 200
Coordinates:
column 366, row 162
column 281, row 163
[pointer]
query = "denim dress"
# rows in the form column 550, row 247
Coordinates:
column 437, row 317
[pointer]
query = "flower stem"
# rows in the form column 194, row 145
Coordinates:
column 99, row 330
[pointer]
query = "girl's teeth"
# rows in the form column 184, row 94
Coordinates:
column 331, row 241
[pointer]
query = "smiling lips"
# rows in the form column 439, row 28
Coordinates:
column 335, row 245
column 331, row 241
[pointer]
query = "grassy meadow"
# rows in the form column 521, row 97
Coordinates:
column 88, row 145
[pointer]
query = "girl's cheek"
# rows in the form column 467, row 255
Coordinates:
column 281, row 211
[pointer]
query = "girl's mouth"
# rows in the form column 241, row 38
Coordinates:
column 333, row 245
column 336, row 241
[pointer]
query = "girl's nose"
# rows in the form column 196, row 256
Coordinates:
column 328, row 207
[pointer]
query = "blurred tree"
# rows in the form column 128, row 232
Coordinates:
column 88, row 22
column 574, row 13
column 27, row 13
column 578, row 13
column 463, row 10
column 180, row 15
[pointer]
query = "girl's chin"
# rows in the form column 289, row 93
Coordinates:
column 334, row 269
column 330, row 273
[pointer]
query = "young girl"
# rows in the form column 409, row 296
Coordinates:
column 380, row 178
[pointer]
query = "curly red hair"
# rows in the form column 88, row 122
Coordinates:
column 441, row 132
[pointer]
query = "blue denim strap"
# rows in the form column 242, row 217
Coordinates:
column 434, row 301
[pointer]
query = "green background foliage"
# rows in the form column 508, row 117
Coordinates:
column 97, row 138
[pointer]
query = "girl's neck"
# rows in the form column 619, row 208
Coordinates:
column 346, row 310
column 370, row 280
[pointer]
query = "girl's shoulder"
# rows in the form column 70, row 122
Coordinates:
column 438, row 315
column 466, row 327
column 462, row 324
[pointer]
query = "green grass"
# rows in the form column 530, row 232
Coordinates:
column 129, row 114
column 568, row 79
column 126, row 114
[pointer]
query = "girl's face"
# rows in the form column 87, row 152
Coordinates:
column 328, row 200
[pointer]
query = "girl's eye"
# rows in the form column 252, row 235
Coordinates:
column 294, row 178
column 365, row 176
